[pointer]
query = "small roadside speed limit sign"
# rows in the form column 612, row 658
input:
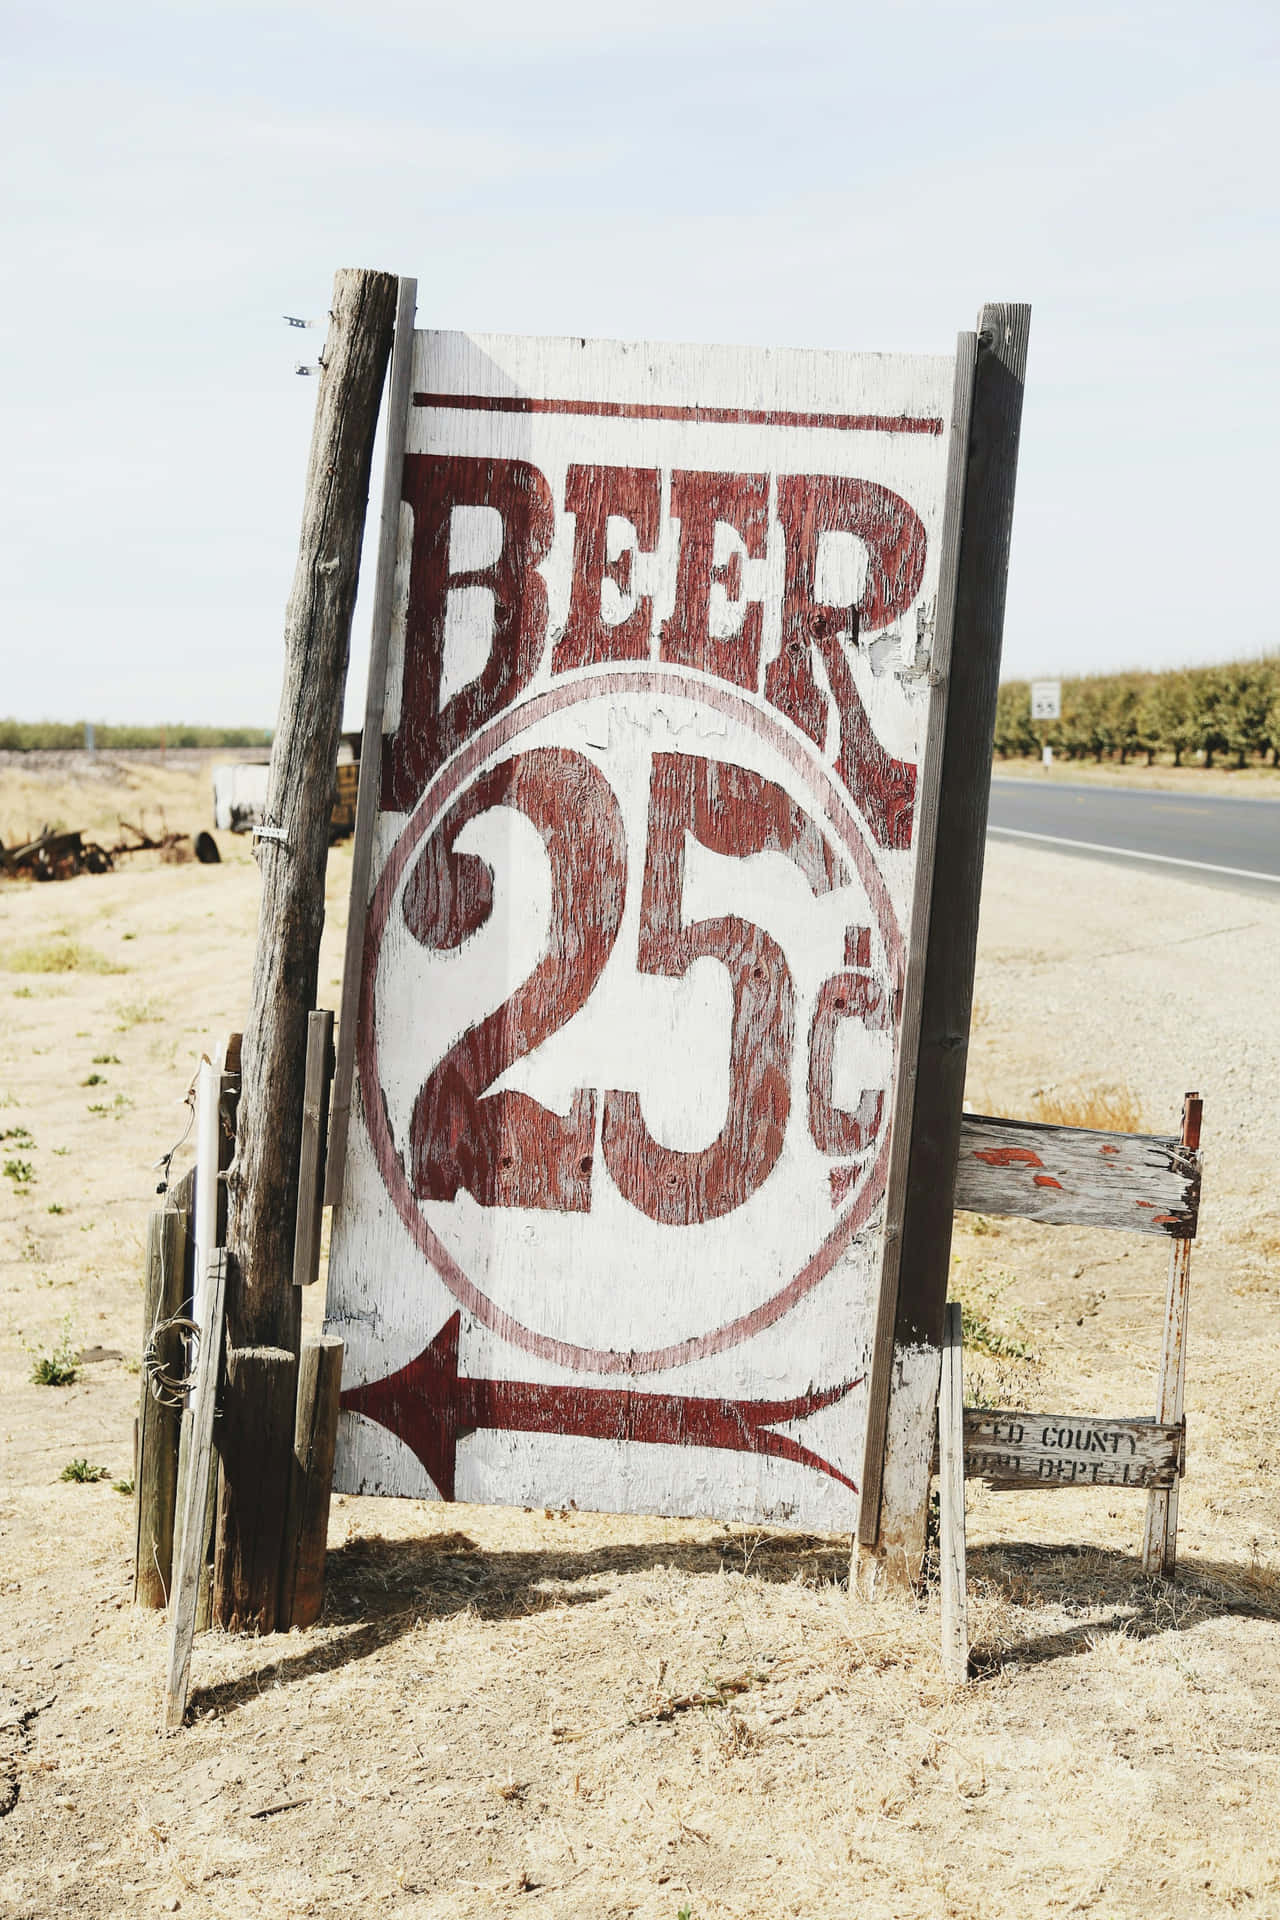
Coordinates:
column 1046, row 699
column 633, row 963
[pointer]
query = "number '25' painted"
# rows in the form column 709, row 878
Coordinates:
column 506, row 1149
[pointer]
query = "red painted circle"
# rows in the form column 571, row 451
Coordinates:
column 835, row 809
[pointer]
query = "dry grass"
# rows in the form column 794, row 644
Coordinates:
column 577, row 1717
column 57, row 956
column 1108, row 1109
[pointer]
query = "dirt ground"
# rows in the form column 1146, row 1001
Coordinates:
column 505, row 1712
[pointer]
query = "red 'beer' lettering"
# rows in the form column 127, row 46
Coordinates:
column 433, row 487
column 809, row 506
column 702, row 502
column 595, row 495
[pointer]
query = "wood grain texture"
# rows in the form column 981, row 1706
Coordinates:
column 190, row 1542
column 1073, row 1176
column 947, row 996
column 263, row 1184
column 951, row 1473
column 306, row 1531
column 264, row 1306
column 315, row 1122
column 371, row 737
column 159, row 1425
column 1050, row 1450
column 1160, row 1530
column 255, row 1441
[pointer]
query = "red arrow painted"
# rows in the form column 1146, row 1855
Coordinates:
column 431, row 1406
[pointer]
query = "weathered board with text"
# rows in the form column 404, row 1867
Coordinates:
column 636, row 936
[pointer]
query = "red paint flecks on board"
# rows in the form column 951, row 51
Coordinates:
column 1008, row 1157
column 702, row 416
column 843, row 1181
column 506, row 1149
column 431, row 1407
column 1047, row 1180
column 1108, row 1149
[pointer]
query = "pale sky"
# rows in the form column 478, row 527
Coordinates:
column 180, row 175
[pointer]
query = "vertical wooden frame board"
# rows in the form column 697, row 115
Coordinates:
column 907, row 1360
column 638, row 926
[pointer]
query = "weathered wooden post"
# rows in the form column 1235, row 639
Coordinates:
column 262, row 1303
column 159, row 1414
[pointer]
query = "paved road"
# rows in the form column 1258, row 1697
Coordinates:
column 1224, row 841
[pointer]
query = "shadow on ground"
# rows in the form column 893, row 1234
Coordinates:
column 1115, row 1594
column 383, row 1588
column 379, row 1590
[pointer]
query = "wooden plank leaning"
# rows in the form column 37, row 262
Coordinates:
column 311, row 1162
column 190, row 1553
column 1160, row 1534
column 951, row 1544
column 263, row 1305
column 367, row 792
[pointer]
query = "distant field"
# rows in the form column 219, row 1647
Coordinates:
column 61, row 736
column 94, row 792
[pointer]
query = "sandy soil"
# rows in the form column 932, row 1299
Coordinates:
column 570, row 1715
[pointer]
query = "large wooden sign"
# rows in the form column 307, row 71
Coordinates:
column 637, row 930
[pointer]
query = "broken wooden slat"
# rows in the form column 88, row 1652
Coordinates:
column 315, row 1434
column 190, row 1546
column 951, row 1419
column 159, row 1420
column 1073, row 1176
column 315, row 1122
column 1160, row 1534
column 1009, row 1449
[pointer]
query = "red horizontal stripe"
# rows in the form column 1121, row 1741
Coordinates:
column 704, row 416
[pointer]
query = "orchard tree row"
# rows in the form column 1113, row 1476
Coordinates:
column 1201, row 714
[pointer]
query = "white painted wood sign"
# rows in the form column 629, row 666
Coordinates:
column 637, row 925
